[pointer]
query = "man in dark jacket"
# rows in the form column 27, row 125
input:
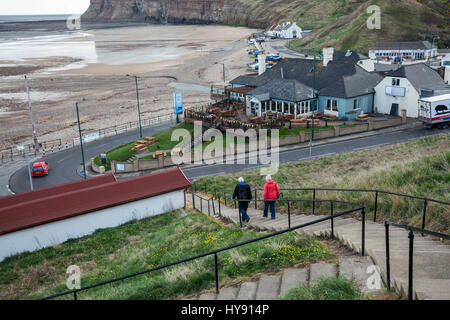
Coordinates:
column 243, row 194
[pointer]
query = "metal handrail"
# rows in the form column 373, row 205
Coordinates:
column 411, row 229
column 214, row 252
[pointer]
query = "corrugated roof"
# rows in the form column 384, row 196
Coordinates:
column 91, row 198
column 402, row 45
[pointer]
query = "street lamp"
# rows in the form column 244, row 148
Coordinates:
column 138, row 107
column 22, row 148
column 81, row 139
column 223, row 69
column 31, row 117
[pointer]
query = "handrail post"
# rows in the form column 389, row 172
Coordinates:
column 332, row 219
column 209, row 210
column 201, row 204
column 255, row 200
column 363, row 213
column 425, row 203
column 220, row 212
column 217, row 273
column 376, row 206
column 289, row 214
column 388, row 263
column 75, row 295
column 314, row 201
column 225, row 198
column 240, row 216
column 193, row 200
column 410, row 272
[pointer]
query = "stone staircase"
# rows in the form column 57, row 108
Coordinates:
column 431, row 258
column 270, row 287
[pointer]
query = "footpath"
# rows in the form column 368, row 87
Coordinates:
column 431, row 258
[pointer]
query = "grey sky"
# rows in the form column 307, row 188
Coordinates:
column 18, row 7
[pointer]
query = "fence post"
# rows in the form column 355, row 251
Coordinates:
column 201, row 205
column 314, row 201
column 289, row 214
column 410, row 272
column 375, row 209
column 217, row 273
column 332, row 219
column 209, row 210
column 388, row 265
column 213, row 207
column 363, row 213
column 425, row 203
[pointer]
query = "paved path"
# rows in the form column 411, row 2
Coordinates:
column 431, row 258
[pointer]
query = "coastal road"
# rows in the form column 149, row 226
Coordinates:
column 65, row 165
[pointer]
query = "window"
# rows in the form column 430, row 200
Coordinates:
column 395, row 82
column 332, row 105
column 355, row 104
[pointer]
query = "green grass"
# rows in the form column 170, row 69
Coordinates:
column 148, row 243
column 420, row 167
column 332, row 288
column 123, row 152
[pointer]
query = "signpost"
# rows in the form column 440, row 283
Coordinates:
column 177, row 104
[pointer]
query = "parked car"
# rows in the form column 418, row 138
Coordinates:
column 40, row 169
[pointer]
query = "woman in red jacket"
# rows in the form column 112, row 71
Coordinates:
column 271, row 193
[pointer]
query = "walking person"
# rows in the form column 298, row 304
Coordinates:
column 271, row 193
column 243, row 194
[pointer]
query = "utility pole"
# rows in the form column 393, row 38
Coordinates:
column 36, row 146
column 138, row 106
column 81, row 141
column 27, row 161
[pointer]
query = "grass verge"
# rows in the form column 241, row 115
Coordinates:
column 151, row 242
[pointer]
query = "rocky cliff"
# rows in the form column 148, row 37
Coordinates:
column 341, row 23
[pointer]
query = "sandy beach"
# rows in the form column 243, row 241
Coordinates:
column 93, row 64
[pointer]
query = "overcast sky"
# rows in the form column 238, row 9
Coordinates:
column 18, row 7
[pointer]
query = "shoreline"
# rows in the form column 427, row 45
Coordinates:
column 111, row 96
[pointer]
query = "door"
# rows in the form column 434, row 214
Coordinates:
column 394, row 109
column 365, row 104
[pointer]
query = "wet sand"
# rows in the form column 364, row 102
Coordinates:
column 93, row 64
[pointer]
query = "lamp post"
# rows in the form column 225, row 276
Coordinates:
column 81, row 139
column 138, row 106
column 223, row 70
column 22, row 148
column 31, row 117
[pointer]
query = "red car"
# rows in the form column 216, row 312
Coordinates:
column 40, row 169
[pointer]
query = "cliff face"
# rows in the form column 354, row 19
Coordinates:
column 340, row 23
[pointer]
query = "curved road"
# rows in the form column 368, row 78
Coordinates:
column 64, row 165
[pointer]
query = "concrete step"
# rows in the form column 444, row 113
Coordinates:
column 319, row 270
column 247, row 291
column 427, row 289
column 268, row 287
column 326, row 225
column 360, row 269
column 293, row 278
column 229, row 293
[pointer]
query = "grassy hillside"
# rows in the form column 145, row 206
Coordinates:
column 420, row 167
column 343, row 24
column 148, row 243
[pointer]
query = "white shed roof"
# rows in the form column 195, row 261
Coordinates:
column 436, row 98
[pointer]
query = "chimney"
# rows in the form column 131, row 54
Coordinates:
column 261, row 63
column 327, row 55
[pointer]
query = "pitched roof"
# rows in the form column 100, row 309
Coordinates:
column 402, row 45
column 419, row 75
column 91, row 198
column 284, row 89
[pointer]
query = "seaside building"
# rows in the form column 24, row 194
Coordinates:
column 401, row 89
column 406, row 51
column 343, row 88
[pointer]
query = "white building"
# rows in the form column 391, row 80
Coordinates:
column 291, row 31
column 42, row 218
column 400, row 89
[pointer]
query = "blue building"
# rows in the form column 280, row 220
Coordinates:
column 343, row 88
